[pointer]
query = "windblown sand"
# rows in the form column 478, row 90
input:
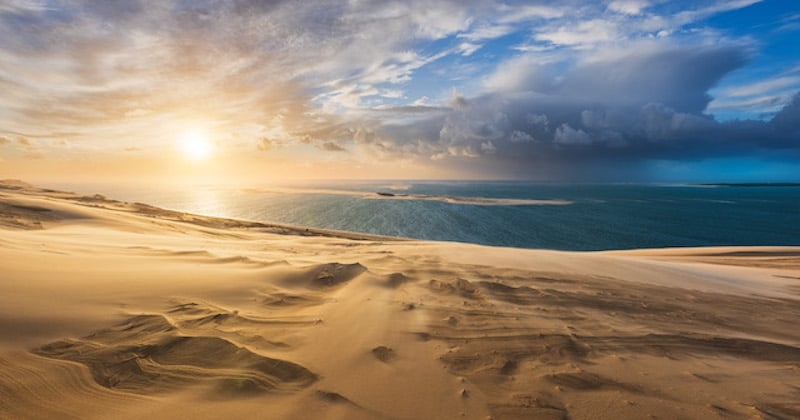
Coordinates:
column 122, row 310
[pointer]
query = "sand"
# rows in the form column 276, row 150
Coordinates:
column 121, row 310
column 382, row 195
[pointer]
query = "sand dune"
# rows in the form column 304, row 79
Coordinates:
column 148, row 354
column 122, row 310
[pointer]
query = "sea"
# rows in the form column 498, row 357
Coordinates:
column 598, row 216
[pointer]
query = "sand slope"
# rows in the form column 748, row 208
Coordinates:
column 121, row 310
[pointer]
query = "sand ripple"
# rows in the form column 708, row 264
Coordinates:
column 146, row 355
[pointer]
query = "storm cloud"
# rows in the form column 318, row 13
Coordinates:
column 646, row 104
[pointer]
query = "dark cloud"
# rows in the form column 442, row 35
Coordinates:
column 568, row 136
column 604, row 103
column 788, row 119
column 622, row 110
column 676, row 77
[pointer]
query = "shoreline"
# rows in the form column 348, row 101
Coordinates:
column 179, row 215
column 382, row 195
column 99, row 200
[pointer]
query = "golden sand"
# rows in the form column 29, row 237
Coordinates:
column 122, row 310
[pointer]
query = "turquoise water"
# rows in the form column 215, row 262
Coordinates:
column 601, row 216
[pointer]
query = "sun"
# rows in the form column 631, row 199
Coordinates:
column 195, row 144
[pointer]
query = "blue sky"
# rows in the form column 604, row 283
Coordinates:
column 618, row 90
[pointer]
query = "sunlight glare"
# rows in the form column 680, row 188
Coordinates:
column 195, row 144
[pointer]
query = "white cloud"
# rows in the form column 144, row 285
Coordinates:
column 485, row 32
column 526, row 72
column 423, row 101
column 534, row 48
column 795, row 69
column 583, row 34
column 392, row 93
column 436, row 19
column 467, row 48
column 767, row 103
column 22, row 6
column 525, row 13
column 763, row 86
column 689, row 16
column 628, row 7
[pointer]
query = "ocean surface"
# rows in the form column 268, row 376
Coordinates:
column 600, row 217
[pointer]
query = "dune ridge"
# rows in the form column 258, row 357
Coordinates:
column 123, row 310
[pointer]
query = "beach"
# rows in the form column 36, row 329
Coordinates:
column 113, row 309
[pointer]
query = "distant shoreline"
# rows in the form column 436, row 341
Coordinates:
column 476, row 201
column 380, row 195
column 751, row 184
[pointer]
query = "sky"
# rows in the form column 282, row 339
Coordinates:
column 253, row 91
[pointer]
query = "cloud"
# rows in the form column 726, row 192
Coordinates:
column 22, row 6
column 660, row 122
column 522, row 13
column 520, row 137
column 27, row 148
column 548, row 84
column 104, row 79
column 788, row 119
column 679, row 77
column 458, row 101
column 628, row 7
column 265, row 144
column 468, row 48
column 763, row 86
column 509, row 134
column 330, row 146
column 470, row 129
column 538, row 120
column 582, row 33
column 764, row 103
column 568, row 136
column 763, row 97
column 720, row 6
column 487, row 32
